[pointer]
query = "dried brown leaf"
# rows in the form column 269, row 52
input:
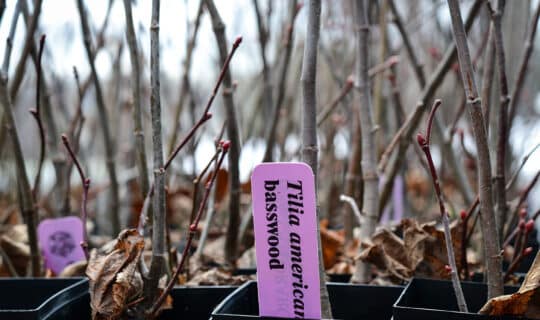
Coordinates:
column 525, row 302
column 114, row 275
column 421, row 251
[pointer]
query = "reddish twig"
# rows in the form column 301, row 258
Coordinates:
column 513, row 266
column 192, row 229
column 424, row 143
column 86, row 186
column 37, row 115
column 206, row 115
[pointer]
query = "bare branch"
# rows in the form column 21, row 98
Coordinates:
column 487, row 218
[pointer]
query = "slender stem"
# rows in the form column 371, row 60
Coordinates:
column 206, row 115
column 104, row 121
column 350, row 201
column 502, row 139
column 424, row 143
column 270, row 134
column 86, row 187
column 369, row 160
column 323, row 115
column 185, row 88
column 26, row 200
column 191, row 234
column 403, row 136
column 231, row 239
column 523, row 161
column 523, row 68
column 263, row 41
column 309, row 123
column 487, row 76
column 28, row 44
column 37, row 115
column 138, row 129
column 159, row 218
column 487, row 218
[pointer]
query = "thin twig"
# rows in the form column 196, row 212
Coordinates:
column 192, row 229
column 487, row 218
column 523, row 68
column 523, row 161
column 28, row 44
column 206, row 115
column 185, row 88
column 138, row 129
column 27, row 201
column 231, row 238
column 403, row 136
column 86, row 186
column 37, row 115
column 323, row 115
column 270, row 134
column 424, row 143
column 104, row 121
column 350, row 201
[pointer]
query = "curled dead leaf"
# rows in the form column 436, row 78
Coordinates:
column 115, row 278
column 525, row 302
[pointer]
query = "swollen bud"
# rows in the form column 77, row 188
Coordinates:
column 447, row 268
column 527, row 251
column 192, row 227
column 523, row 213
column 207, row 116
column 237, row 41
column 226, row 145
column 421, row 140
column 463, row 215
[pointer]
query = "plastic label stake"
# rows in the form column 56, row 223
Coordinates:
column 285, row 222
column 60, row 241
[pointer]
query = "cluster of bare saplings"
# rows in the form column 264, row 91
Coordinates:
column 415, row 117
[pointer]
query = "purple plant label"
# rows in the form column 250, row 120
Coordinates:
column 60, row 241
column 285, row 221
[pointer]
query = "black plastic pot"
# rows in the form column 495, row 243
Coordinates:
column 193, row 303
column 348, row 302
column 38, row 298
column 426, row 299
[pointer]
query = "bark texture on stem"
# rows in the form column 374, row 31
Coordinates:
column 158, row 206
column 369, row 156
column 487, row 217
column 309, row 123
column 104, row 121
column 231, row 240
column 502, row 139
column 138, row 129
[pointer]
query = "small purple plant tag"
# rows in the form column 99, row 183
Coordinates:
column 285, row 222
column 60, row 241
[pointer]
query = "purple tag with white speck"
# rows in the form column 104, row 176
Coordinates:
column 60, row 242
column 285, row 223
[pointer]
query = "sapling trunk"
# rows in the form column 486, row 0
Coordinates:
column 487, row 217
column 309, row 124
column 103, row 120
column 231, row 240
column 369, row 155
column 502, row 139
column 454, row 272
column 157, row 264
column 138, row 129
